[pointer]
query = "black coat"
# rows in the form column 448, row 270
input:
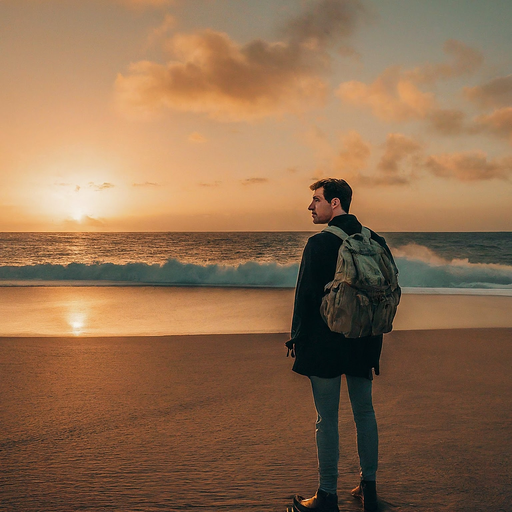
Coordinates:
column 318, row 350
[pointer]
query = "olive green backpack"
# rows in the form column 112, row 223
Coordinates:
column 363, row 297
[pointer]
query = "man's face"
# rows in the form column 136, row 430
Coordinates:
column 321, row 209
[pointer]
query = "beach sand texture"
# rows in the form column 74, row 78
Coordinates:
column 219, row 422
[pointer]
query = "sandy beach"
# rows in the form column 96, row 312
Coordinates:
column 219, row 422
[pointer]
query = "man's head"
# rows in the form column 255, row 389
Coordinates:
column 331, row 198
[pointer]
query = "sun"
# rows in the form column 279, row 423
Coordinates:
column 77, row 215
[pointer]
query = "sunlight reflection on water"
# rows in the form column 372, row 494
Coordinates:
column 77, row 322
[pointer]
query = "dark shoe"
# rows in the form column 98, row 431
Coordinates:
column 366, row 491
column 320, row 502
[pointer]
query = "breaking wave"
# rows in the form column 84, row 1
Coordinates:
column 419, row 268
column 171, row 273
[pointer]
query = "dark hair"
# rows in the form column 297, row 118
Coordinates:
column 335, row 188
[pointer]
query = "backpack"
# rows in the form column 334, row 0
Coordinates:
column 363, row 297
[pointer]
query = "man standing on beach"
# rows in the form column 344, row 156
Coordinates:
column 324, row 356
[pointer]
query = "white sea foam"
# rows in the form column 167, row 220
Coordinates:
column 419, row 268
column 174, row 272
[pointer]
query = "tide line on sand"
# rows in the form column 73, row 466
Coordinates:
column 157, row 311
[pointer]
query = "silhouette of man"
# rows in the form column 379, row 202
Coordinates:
column 324, row 356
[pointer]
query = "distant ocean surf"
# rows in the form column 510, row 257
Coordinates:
column 471, row 261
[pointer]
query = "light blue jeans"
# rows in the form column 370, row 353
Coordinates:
column 326, row 394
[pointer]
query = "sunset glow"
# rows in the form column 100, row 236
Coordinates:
column 202, row 116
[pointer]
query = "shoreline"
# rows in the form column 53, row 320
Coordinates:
column 160, row 311
column 208, row 336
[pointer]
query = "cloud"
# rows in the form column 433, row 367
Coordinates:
column 469, row 166
column 496, row 93
column 466, row 60
column 146, row 184
column 102, row 186
column 229, row 82
column 209, row 73
column 158, row 33
column 398, row 165
column 254, row 181
column 354, row 154
column 197, row 138
column 212, row 184
column 447, row 121
column 326, row 22
column 146, row 3
column 85, row 222
column 395, row 95
column 497, row 123
column 76, row 188
column 391, row 97
column 398, row 148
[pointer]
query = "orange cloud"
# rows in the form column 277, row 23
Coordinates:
column 391, row 97
column 85, row 222
column 496, row 93
column 214, row 75
column 146, row 184
column 354, row 156
column 197, row 138
column 101, row 186
column 497, row 123
column 254, row 181
column 395, row 95
column 211, row 74
column 397, row 162
column 469, row 166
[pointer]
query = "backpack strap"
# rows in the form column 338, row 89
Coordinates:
column 335, row 230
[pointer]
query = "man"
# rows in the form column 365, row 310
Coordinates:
column 324, row 356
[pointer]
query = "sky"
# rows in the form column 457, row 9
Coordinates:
column 217, row 115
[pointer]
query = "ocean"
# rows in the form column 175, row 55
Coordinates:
column 238, row 259
column 124, row 284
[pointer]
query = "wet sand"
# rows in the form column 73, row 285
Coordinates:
column 166, row 310
column 219, row 422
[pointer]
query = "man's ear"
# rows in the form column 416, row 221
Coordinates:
column 335, row 202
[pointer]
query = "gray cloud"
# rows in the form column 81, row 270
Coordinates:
column 496, row 93
column 497, row 123
column 146, row 3
column 447, row 121
column 465, row 61
column 326, row 22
